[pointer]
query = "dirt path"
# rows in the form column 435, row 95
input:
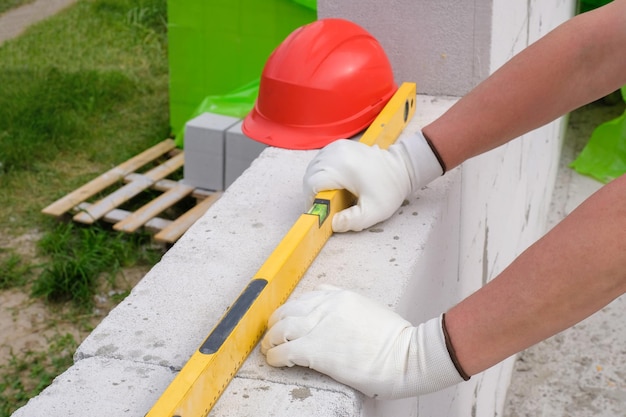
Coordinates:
column 14, row 22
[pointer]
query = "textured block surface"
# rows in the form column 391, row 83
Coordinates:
column 204, row 150
column 240, row 152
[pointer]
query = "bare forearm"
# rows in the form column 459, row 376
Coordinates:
column 578, row 62
column 575, row 270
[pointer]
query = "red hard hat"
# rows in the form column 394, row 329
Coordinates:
column 327, row 80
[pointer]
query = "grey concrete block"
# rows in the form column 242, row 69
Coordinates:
column 205, row 136
column 240, row 152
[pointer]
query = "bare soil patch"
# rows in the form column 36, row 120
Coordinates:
column 27, row 324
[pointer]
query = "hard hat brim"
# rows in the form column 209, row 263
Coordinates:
column 261, row 129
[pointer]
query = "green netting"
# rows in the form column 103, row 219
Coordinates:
column 216, row 47
column 604, row 156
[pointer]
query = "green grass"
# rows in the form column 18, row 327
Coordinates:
column 28, row 373
column 79, row 256
column 79, row 93
column 52, row 111
column 14, row 271
column 10, row 4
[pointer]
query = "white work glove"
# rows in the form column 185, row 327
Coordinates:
column 361, row 344
column 380, row 179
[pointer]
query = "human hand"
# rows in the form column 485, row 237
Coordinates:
column 380, row 179
column 359, row 343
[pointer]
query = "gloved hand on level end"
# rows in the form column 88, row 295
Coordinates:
column 361, row 344
column 380, row 179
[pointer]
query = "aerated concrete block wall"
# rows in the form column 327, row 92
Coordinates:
column 506, row 193
column 443, row 45
column 125, row 364
column 459, row 233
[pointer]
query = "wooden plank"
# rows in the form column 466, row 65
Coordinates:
column 114, row 216
column 161, row 185
column 108, row 178
column 166, row 184
column 179, row 226
column 97, row 210
column 132, row 184
column 153, row 208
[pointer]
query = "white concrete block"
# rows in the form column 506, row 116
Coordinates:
column 104, row 387
column 517, row 24
column 443, row 45
column 240, row 152
column 172, row 310
column 204, row 150
column 409, row 262
column 257, row 397
column 100, row 387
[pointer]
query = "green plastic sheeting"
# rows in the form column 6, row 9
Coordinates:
column 217, row 48
column 311, row 4
column 237, row 103
column 604, row 156
column 586, row 5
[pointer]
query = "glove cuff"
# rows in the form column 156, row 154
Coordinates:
column 451, row 350
column 429, row 362
column 423, row 163
column 436, row 153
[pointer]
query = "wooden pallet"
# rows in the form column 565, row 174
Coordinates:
column 131, row 184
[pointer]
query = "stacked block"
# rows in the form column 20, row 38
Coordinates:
column 217, row 151
column 240, row 152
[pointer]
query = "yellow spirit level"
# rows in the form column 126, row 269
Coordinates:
column 198, row 385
